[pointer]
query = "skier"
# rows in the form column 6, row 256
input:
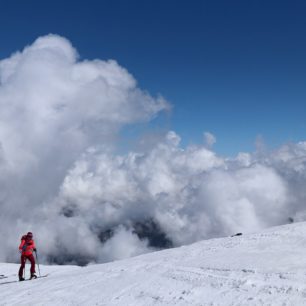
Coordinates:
column 26, row 248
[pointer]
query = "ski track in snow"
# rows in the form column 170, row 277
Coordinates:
column 268, row 268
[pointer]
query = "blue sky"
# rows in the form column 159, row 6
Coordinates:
column 234, row 68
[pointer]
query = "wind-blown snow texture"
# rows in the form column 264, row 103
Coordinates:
column 62, row 177
column 268, row 268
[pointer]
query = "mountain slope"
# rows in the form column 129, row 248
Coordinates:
column 268, row 268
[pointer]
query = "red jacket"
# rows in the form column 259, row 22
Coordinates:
column 27, row 246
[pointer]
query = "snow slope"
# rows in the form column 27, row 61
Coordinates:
column 268, row 268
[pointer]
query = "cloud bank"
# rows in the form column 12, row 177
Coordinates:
column 60, row 175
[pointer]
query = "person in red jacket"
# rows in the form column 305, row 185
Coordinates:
column 26, row 248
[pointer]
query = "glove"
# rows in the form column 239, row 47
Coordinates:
column 34, row 250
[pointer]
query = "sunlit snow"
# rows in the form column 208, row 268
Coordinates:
column 266, row 268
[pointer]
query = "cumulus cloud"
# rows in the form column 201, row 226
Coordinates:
column 210, row 139
column 53, row 108
column 60, row 175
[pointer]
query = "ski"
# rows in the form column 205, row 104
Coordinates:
column 28, row 279
column 3, row 276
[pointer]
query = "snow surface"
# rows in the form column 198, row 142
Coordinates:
column 268, row 268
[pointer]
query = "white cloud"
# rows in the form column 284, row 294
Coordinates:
column 60, row 177
column 210, row 139
column 52, row 109
column 122, row 245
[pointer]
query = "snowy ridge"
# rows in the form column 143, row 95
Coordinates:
column 268, row 268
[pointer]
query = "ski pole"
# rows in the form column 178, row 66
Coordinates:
column 24, row 266
column 37, row 263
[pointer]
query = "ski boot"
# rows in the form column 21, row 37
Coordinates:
column 33, row 276
column 21, row 279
